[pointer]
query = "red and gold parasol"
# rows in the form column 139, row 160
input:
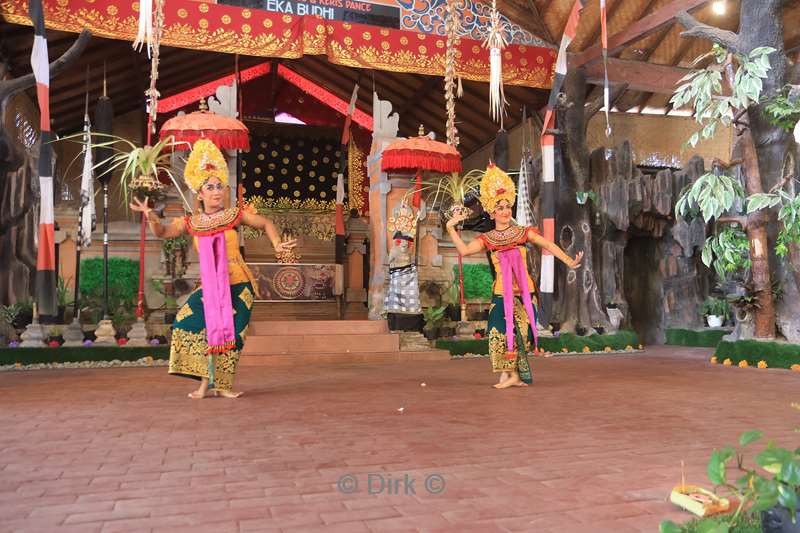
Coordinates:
column 227, row 133
column 418, row 154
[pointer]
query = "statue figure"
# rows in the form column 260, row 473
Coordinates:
column 403, row 294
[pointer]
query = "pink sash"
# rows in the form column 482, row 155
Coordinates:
column 217, row 304
column 512, row 267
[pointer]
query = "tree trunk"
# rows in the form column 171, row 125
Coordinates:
column 759, row 244
column 578, row 300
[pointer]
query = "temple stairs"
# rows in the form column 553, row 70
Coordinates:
column 329, row 341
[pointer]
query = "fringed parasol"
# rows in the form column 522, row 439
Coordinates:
column 227, row 133
column 418, row 154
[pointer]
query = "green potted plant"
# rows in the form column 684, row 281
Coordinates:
column 770, row 490
column 62, row 292
column 433, row 317
column 451, row 299
column 716, row 311
column 170, row 302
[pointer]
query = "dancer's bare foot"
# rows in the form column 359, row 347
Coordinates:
column 227, row 394
column 503, row 376
column 510, row 382
column 521, row 384
column 198, row 394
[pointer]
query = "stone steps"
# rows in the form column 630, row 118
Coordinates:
column 328, row 341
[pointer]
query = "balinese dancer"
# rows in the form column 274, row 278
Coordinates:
column 209, row 330
column 512, row 320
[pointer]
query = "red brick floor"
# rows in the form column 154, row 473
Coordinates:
column 594, row 445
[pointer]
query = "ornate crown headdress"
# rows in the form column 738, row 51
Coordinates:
column 404, row 220
column 204, row 162
column 496, row 186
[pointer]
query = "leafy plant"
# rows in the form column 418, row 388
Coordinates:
column 123, row 285
column 716, row 307
column 788, row 216
column 703, row 89
column 477, row 281
column 433, row 317
column 783, row 112
column 754, row 491
column 728, row 251
column 452, row 295
column 62, row 292
column 713, row 194
column 451, row 190
column 135, row 162
column 170, row 302
column 583, row 196
column 10, row 314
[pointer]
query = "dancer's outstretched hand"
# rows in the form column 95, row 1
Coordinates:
column 574, row 263
column 286, row 245
column 140, row 206
column 457, row 218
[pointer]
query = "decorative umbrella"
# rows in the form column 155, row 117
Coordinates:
column 227, row 133
column 418, row 154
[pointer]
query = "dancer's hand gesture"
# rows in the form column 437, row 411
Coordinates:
column 459, row 217
column 140, row 206
column 285, row 246
column 574, row 263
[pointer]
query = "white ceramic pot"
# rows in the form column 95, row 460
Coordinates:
column 714, row 321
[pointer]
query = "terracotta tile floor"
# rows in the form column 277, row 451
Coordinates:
column 594, row 445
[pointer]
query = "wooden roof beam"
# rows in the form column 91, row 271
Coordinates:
column 642, row 28
column 640, row 76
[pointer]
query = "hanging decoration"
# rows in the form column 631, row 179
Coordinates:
column 495, row 42
column 548, row 156
column 604, row 43
column 144, row 36
column 524, row 210
column 452, row 28
column 151, row 93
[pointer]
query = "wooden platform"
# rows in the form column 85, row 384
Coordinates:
column 287, row 342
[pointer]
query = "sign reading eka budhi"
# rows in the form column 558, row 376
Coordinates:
column 355, row 11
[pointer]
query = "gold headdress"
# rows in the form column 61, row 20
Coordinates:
column 496, row 186
column 204, row 162
column 404, row 220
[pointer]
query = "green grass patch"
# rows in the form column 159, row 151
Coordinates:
column 703, row 338
column 570, row 341
column 776, row 354
column 77, row 354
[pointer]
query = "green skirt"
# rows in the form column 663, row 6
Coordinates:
column 523, row 336
column 188, row 356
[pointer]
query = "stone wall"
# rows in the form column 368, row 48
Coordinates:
column 648, row 263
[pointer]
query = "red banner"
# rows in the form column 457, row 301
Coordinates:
column 253, row 32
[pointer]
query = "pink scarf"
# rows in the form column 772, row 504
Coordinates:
column 511, row 267
column 217, row 304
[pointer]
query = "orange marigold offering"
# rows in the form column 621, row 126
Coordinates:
column 564, row 350
column 796, row 368
column 762, row 364
column 629, row 348
column 727, row 362
column 713, row 360
column 743, row 363
column 607, row 349
column 585, row 349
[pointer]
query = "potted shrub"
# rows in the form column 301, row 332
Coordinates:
column 433, row 317
column 716, row 310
